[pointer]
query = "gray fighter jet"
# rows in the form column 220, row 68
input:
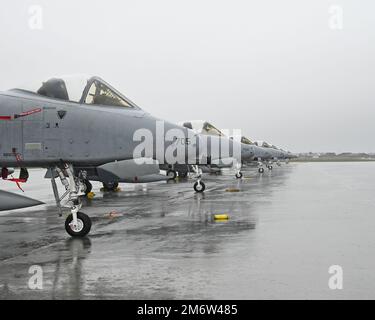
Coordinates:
column 250, row 152
column 276, row 155
column 81, row 128
column 225, row 160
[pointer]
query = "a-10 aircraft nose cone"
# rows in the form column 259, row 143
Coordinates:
column 11, row 201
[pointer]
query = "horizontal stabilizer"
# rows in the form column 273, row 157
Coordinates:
column 11, row 201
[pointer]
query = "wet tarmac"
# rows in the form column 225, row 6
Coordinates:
column 286, row 228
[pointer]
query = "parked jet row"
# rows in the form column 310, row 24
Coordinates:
column 82, row 129
column 259, row 152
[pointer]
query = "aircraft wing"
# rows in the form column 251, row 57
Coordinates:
column 11, row 201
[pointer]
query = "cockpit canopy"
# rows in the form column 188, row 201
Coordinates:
column 202, row 127
column 245, row 140
column 263, row 144
column 80, row 89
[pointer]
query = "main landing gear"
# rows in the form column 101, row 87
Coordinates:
column 110, row 186
column 77, row 224
column 88, row 186
column 171, row 174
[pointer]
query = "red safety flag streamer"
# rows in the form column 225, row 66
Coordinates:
column 17, row 155
column 17, row 181
column 22, row 114
column 27, row 113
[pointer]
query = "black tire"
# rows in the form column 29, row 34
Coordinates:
column 260, row 170
column 270, row 167
column 110, row 186
column 239, row 175
column 201, row 188
column 85, row 228
column 171, row 174
column 88, row 187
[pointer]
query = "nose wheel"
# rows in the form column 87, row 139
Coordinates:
column 239, row 175
column 79, row 229
column 77, row 224
column 199, row 187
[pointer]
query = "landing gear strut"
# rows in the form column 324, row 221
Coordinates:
column 77, row 224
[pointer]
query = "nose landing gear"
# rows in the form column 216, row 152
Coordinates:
column 199, row 185
column 239, row 174
column 260, row 167
column 77, row 224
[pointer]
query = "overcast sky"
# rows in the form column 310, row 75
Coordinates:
column 294, row 73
